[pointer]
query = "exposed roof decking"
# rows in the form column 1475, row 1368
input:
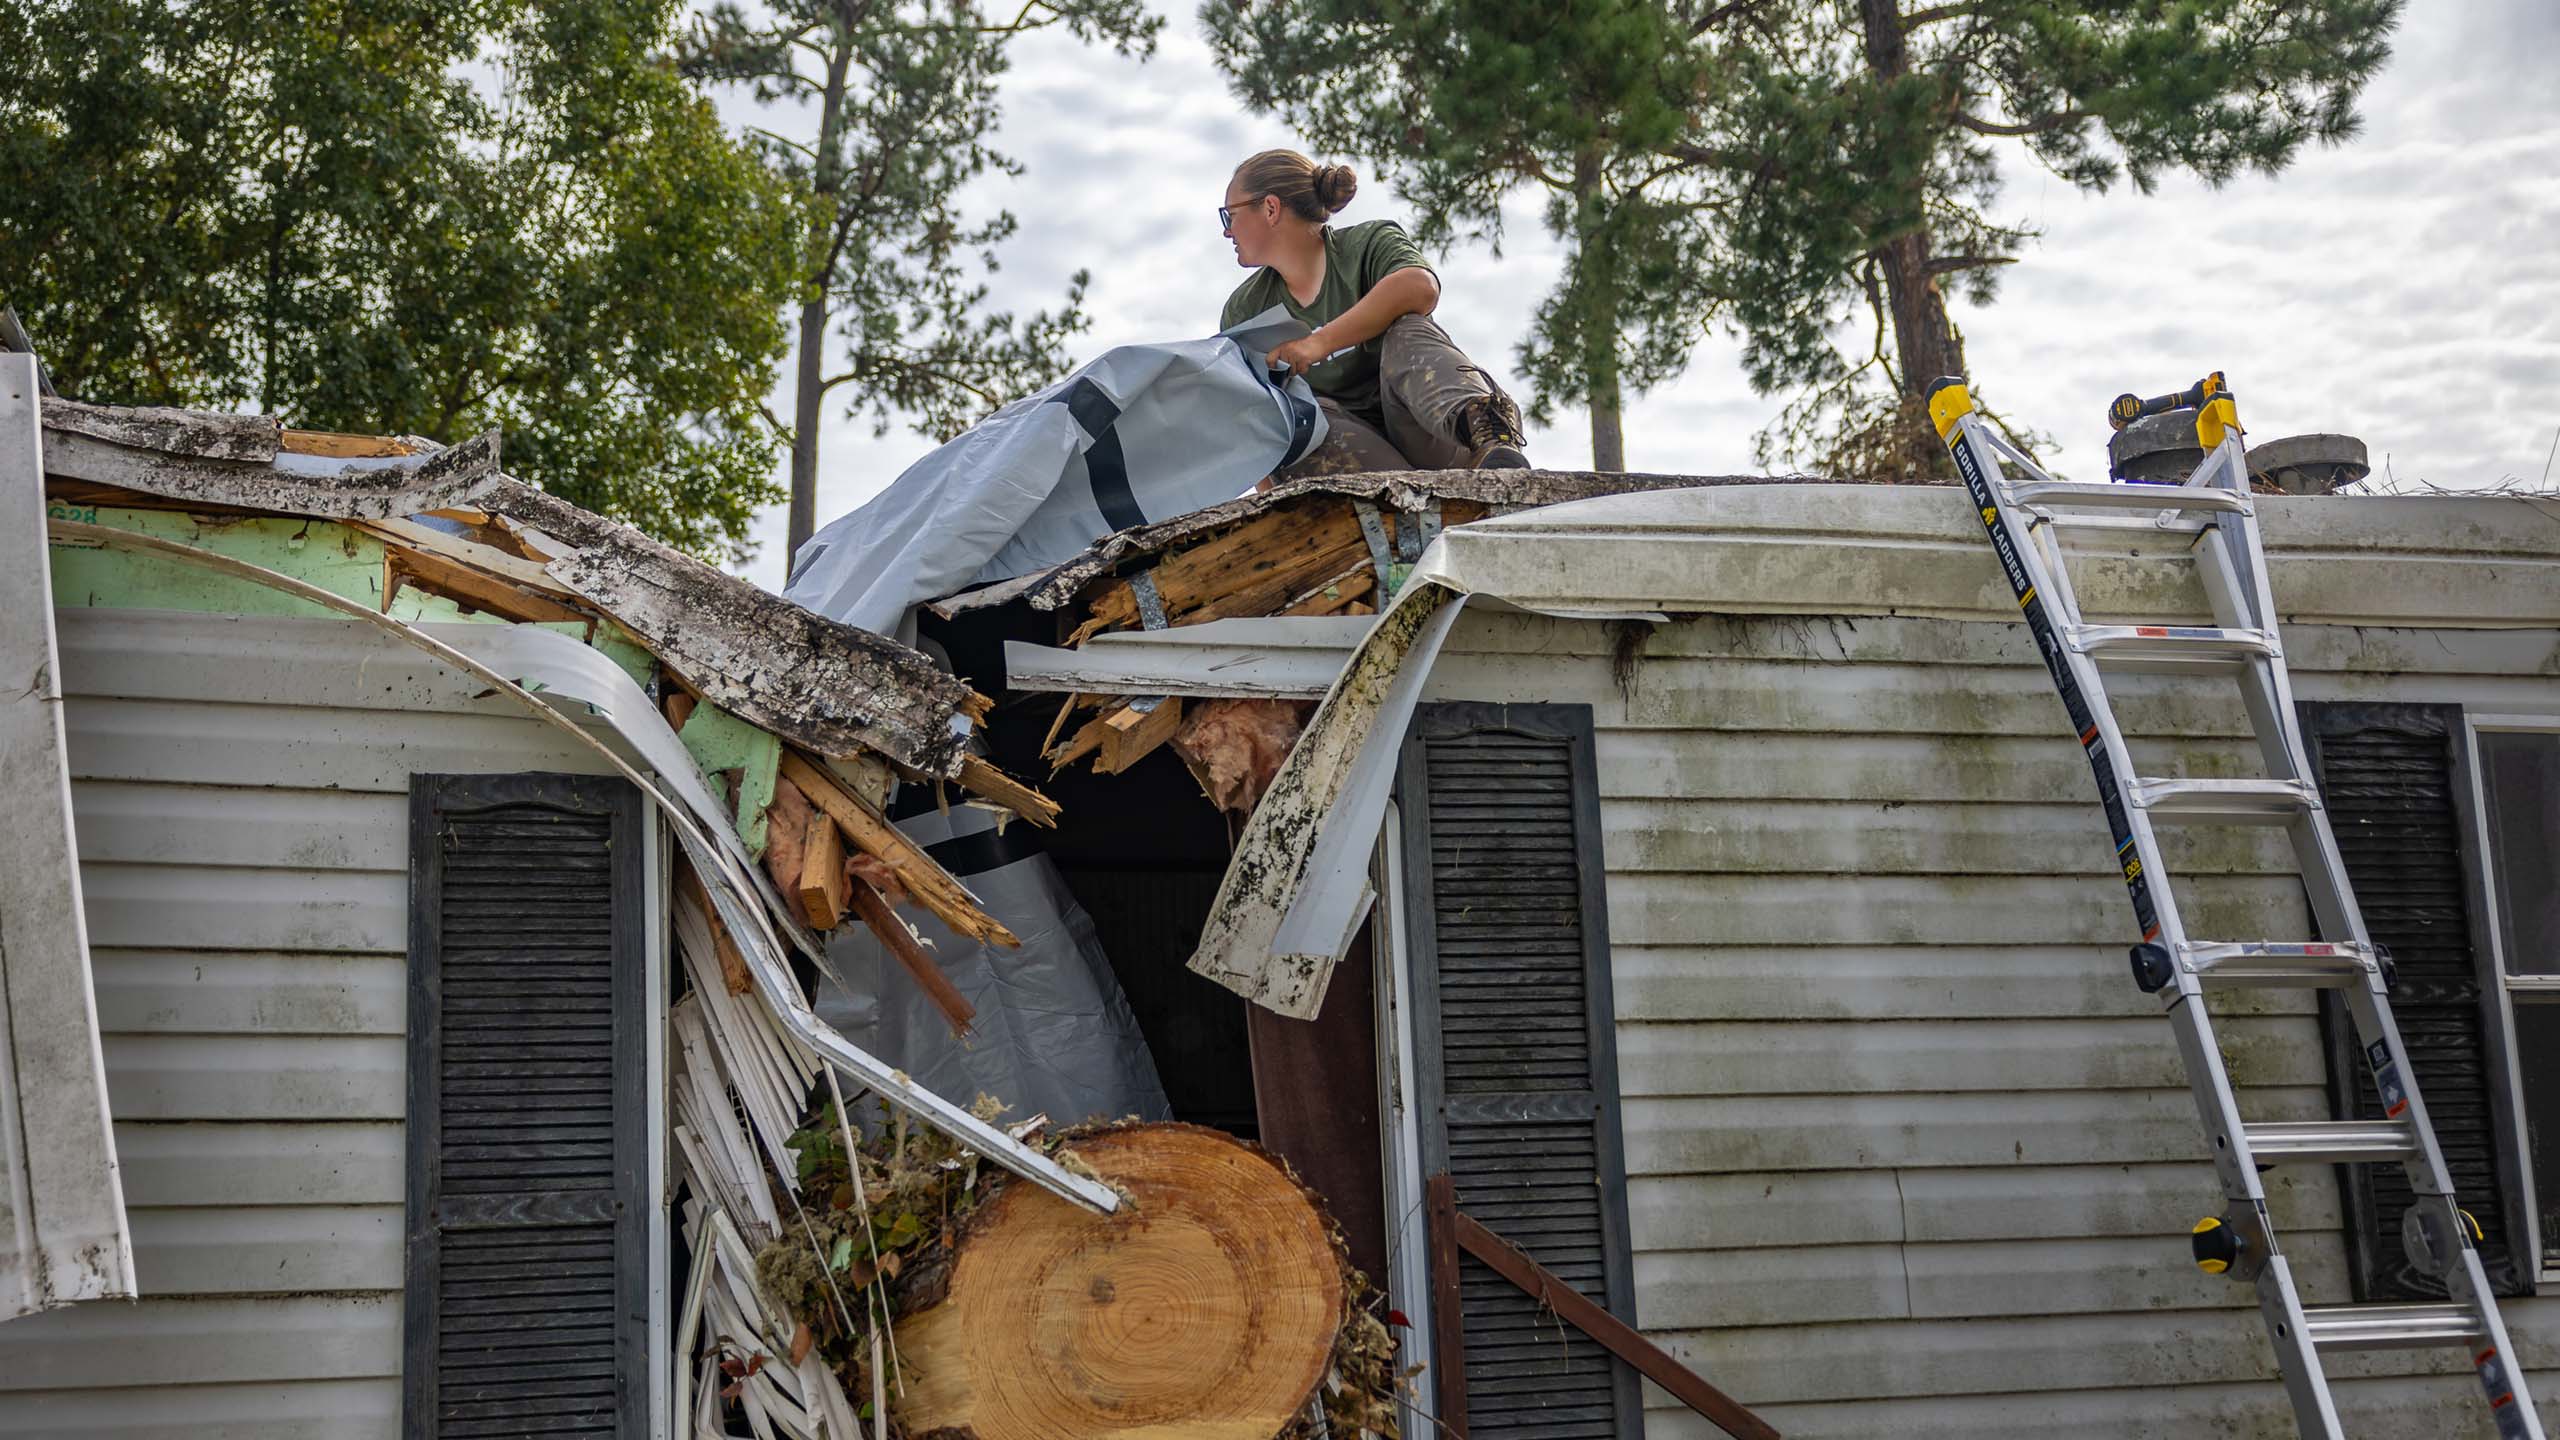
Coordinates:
column 1402, row 490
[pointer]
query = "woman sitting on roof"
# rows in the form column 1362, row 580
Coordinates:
column 1394, row 386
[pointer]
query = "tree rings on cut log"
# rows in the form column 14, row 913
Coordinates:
column 1205, row 1309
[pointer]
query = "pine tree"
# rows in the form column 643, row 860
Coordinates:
column 406, row 219
column 1855, row 151
column 905, row 93
column 1465, row 101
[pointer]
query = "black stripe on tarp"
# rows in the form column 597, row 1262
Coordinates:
column 1094, row 412
column 1302, row 413
column 990, row 849
column 1109, row 472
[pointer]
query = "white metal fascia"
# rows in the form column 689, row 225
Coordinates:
column 1244, row 658
column 585, row 677
column 63, row 1232
column 1299, row 881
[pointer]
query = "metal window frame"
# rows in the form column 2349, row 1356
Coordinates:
column 2489, row 905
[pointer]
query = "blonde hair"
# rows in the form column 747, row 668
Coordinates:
column 1309, row 190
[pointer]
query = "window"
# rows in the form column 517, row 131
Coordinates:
column 2517, row 766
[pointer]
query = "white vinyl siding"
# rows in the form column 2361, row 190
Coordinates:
column 1909, row 1153
column 240, row 789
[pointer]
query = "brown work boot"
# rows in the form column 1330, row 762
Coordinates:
column 1490, row 426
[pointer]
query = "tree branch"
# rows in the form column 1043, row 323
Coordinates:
column 1949, row 264
column 2038, row 126
column 783, row 140
column 1936, row 13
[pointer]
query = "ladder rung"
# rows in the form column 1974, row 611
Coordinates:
column 2131, row 497
column 2229, row 802
column 2344, row 1142
column 2177, row 647
column 2266, row 964
column 2390, row 1327
column 2129, row 525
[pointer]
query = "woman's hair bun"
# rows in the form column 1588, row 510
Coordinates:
column 1335, row 185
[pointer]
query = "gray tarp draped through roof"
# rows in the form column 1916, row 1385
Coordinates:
column 1141, row 433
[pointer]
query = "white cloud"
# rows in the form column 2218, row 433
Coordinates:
column 2403, row 288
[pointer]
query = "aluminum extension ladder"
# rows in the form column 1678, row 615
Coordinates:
column 2213, row 506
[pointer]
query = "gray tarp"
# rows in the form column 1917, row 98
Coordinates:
column 1054, row 1034
column 1141, row 433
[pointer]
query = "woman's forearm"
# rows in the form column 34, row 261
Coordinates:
column 1410, row 291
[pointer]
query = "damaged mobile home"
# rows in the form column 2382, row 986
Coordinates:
column 408, row 1011
column 1661, row 902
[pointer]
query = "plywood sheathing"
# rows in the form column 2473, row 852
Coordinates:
column 980, row 776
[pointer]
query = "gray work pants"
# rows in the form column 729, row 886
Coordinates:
column 1424, row 379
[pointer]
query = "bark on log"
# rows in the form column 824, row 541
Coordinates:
column 1206, row 1308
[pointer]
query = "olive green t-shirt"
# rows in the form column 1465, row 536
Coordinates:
column 1356, row 257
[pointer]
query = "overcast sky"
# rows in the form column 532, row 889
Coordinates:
column 2404, row 288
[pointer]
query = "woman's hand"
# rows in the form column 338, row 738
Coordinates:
column 1298, row 356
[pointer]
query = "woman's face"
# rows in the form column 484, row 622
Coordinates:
column 1251, row 222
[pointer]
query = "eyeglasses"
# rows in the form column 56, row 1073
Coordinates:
column 1227, row 214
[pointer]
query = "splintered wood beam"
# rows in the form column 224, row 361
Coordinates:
column 1332, row 595
column 1049, row 741
column 933, row 887
column 342, row 446
column 679, row 708
column 823, row 880
column 1086, row 740
column 901, row 943
column 474, row 589
column 1282, row 550
column 1135, row 731
column 733, row 966
column 980, row 776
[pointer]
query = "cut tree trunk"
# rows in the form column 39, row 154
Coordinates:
column 1206, row 1308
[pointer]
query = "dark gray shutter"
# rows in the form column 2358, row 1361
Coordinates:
column 1516, row 1059
column 527, row 1299
column 2388, row 777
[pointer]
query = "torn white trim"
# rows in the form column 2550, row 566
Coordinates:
column 1247, row 658
column 64, row 1236
column 1325, row 803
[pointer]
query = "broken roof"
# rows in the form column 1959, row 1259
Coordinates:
column 1478, row 492
column 820, row 684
